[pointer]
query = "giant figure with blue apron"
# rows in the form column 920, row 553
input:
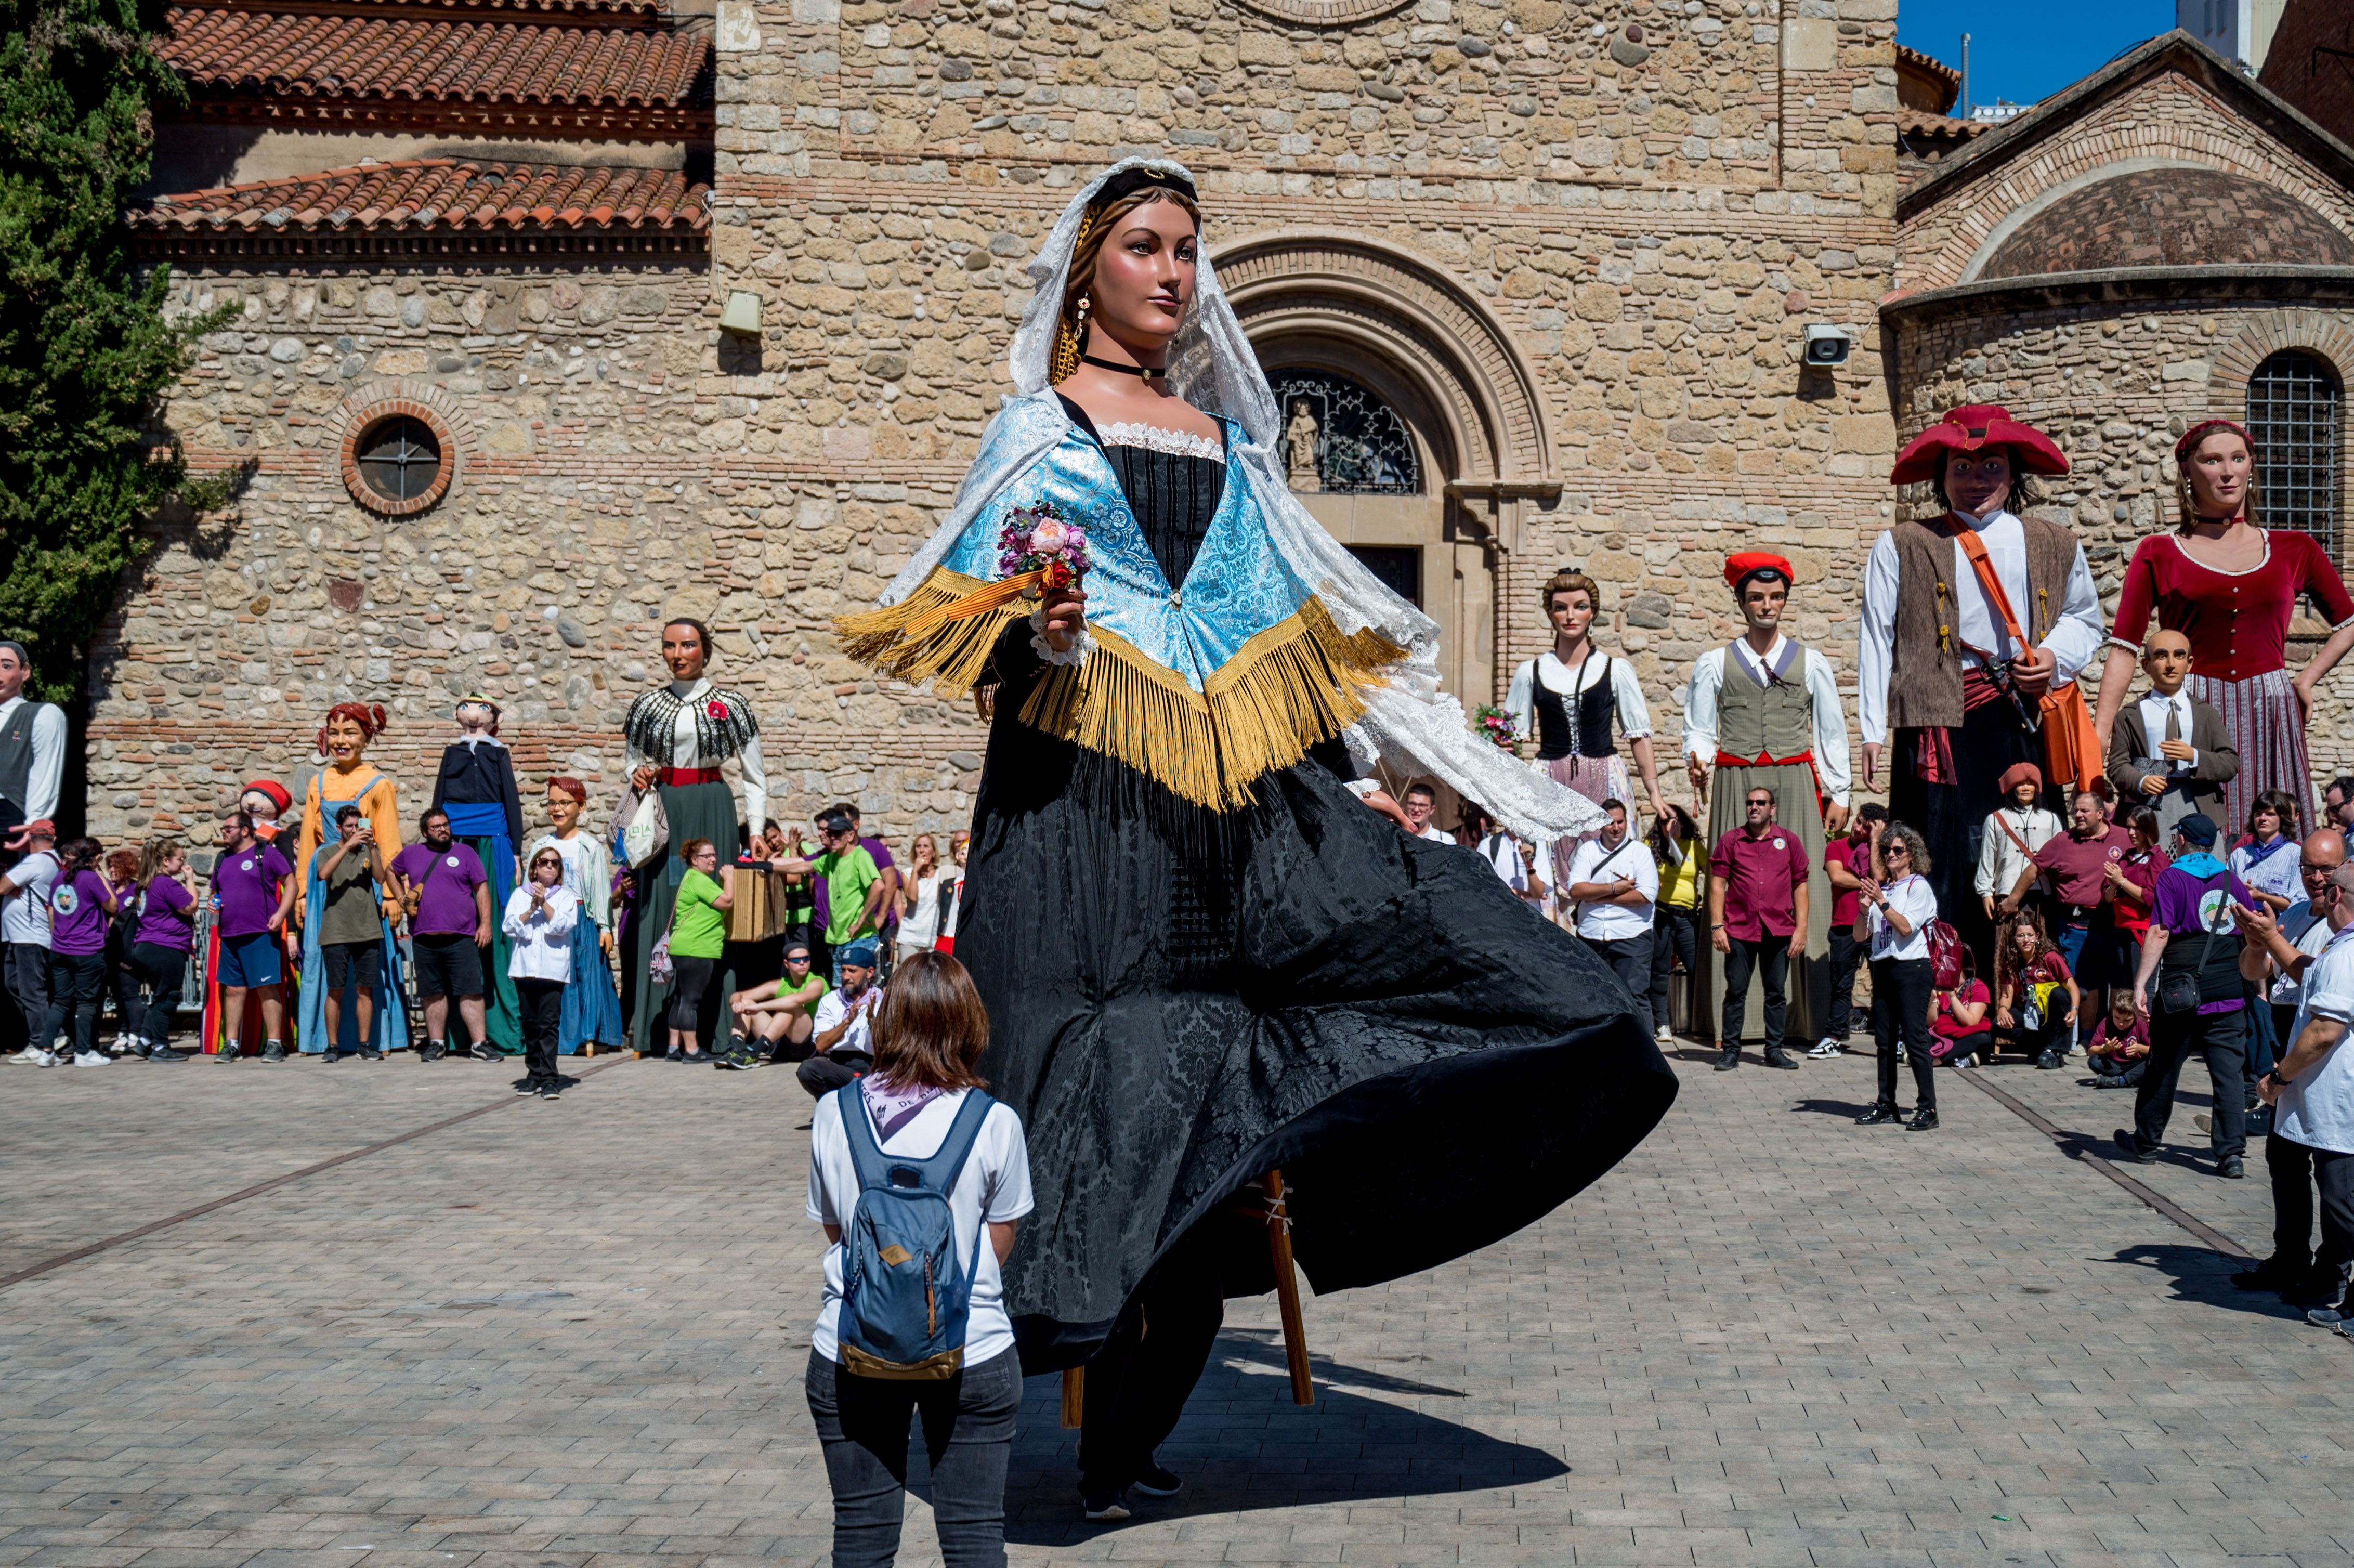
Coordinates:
column 477, row 788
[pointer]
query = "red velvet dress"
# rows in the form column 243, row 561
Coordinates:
column 2238, row 626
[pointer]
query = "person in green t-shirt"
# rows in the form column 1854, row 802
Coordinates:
column 854, row 887
column 698, row 935
column 775, row 1020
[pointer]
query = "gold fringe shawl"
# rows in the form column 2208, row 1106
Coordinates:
column 1291, row 685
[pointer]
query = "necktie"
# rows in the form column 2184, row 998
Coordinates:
column 2173, row 731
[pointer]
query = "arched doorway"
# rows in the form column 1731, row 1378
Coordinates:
column 1430, row 436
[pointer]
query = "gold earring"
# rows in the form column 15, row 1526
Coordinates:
column 1070, row 340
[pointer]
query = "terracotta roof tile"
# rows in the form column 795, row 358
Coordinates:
column 572, row 10
column 440, row 195
column 416, row 60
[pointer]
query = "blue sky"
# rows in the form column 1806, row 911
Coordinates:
column 2028, row 49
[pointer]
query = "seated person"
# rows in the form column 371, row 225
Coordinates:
column 2035, row 995
column 778, row 1019
column 1957, row 1019
column 2120, row 1045
column 841, row 1047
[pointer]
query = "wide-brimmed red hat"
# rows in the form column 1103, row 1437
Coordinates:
column 1966, row 431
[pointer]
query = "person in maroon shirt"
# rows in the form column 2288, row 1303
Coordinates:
column 1757, row 920
column 1846, row 862
column 2085, row 930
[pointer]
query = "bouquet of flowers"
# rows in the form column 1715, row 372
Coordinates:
column 1501, row 728
column 1036, row 539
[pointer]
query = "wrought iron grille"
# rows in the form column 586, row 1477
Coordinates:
column 1362, row 445
column 2295, row 409
column 399, row 458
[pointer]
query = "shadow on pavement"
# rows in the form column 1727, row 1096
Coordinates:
column 1850, row 1109
column 2203, row 1275
column 1243, row 1445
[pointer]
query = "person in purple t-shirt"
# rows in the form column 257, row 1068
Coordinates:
column 2193, row 952
column 449, row 900
column 162, row 943
column 253, row 889
column 80, row 905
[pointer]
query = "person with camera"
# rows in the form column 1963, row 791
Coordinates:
column 2198, row 1004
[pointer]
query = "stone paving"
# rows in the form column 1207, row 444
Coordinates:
column 572, row 1334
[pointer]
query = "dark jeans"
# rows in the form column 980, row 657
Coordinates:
column 2297, row 1170
column 541, row 1003
column 77, row 988
column 1899, row 1009
column 822, row 1075
column 1138, row 1381
column 123, row 978
column 1979, row 1042
column 1675, row 934
column 27, row 980
column 1630, row 959
column 1847, row 957
column 968, row 1425
column 2174, row 1038
column 1770, row 955
column 165, row 971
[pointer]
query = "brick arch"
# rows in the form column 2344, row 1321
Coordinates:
column 2322, row 334
column 1411, row 315
column 2167, row 122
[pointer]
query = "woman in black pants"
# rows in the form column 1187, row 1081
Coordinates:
column 1675, row 927
column 161, row 944
column 1893, row 921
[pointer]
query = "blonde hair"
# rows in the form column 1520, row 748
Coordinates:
column 1567, row 581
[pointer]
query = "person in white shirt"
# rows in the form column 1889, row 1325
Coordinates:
column 1614, row 885
column 538, row 922
column 32, row 755
column 24, row 932
column 2268, row 862
column 928, row 1041
column 918, row 895
column 1941, row 684
column 1420, row 803
column 1502, row 852
column 2014, row 831
column 844, row 1041
column 1893, row 921
column 2312, row 1097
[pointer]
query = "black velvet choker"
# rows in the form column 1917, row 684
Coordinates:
column 1143, row 372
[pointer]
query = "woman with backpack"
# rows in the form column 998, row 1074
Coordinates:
column 914, row 1318
column 2030, row 976
column 1892, row 922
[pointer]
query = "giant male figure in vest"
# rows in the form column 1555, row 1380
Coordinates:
column 1943, row 693
column 32, row 754
column 1765, row 710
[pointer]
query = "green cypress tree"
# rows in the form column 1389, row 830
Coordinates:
column 86, row 353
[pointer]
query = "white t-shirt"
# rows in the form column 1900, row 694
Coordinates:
column 25, row 917
column 2309, row 934
column 832, row 1010
column 918, row 929
column 540, row 948
column 2280, row 875
column 1912, row 897
column 1593, row 863
column 1498, row 851
column 994, row 1185
column 2318, row 1110
column 1436, row 834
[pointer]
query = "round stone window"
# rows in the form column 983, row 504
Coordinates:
column 397, row 461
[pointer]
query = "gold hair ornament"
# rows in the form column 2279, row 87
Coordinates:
column 1071, row 337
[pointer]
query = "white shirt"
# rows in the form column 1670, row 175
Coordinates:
column 685, row 752
column 1913, row 898
column 2281, row 875
column 49, row 768
column 832, row 1010
column 2309, row 934
column 24, row 915
column 1436, row 834
column 2076, row 635
column 994, row 1185
column 918, row 929
column 1500, row 852
column 2153, row 725
column 542, row 943
column 1521, row 701
column 2318, row 1110
column 2000, row 860
column 1630, row 858
column 1828, row 719
column 588, row 870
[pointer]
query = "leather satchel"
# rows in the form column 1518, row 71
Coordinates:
column 2071, row 750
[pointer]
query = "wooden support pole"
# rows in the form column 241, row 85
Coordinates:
column 1074, row 1396
column 1286, row 1291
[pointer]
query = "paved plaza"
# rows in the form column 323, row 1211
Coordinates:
column 572, row 1333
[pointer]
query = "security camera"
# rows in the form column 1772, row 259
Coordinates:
column 1827, row 345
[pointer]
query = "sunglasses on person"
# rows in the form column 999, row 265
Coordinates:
column 1896, row 851
column 801, row 963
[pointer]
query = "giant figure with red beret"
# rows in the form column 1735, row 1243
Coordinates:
column 1765, row 710
column 1946, row 693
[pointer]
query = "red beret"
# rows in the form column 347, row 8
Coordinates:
column 1968, row 429
column 2019, row 773
column 1740, row 569
column 2204, row 429
column 272, row 788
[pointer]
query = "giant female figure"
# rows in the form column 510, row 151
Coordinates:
column 1204, row 957
column 2231, row 587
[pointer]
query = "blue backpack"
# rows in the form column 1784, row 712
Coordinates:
column 905, row 1297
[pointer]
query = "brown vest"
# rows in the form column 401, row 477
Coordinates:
column 1924, row 676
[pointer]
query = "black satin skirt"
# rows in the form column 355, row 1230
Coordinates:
column 1182, row 1000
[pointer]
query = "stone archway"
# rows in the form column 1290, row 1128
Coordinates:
column 1400, row 328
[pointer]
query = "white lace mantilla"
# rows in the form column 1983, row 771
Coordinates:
column 1153, row 439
